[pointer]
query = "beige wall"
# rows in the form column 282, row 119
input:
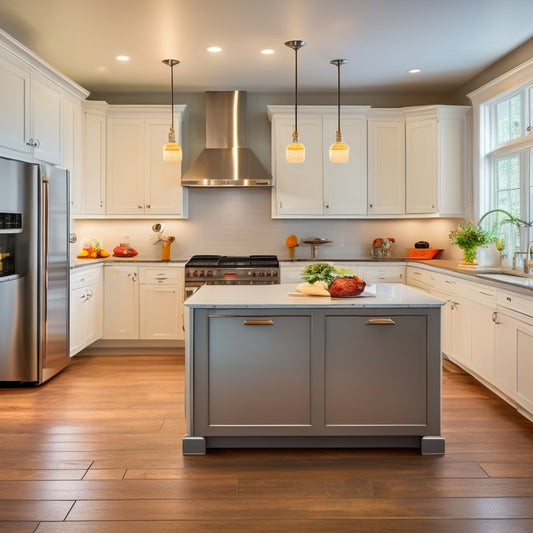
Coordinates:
column 237, row 221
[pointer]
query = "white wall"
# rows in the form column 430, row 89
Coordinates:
column 237, row 222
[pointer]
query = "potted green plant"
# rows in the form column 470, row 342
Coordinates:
column 469, row 237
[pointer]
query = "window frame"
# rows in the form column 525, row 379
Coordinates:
column 486, row 149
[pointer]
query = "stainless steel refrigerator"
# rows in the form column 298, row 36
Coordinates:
column 34, row 271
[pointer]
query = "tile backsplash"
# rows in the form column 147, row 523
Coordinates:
column 237, row 222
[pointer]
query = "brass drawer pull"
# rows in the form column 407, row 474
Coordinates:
column 380, row 321
column 267, row 322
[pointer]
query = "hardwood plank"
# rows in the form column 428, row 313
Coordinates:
column 18, row 527
column 320, row 509
column 109, row 473
column 34, row 510
column 451, row 488
column 64, row 474
column 118, row 489
column 508, row 469
column 293, row 526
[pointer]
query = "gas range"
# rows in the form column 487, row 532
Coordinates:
column 231, row 270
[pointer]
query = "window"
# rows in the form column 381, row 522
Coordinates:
column 508, row 119
column 505, row 179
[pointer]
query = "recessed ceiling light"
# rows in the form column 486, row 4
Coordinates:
column 122, row 58
column 414, row 71
column 214, row 49
column 267, row 51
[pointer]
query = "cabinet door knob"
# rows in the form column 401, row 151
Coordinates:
column 140, row 206
column 147, row 206
column 37, row 143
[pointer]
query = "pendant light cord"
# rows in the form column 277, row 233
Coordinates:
column 338, row 98
column 296, row 90
column 172, row 94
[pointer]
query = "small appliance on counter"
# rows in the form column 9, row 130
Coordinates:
column 422, row 251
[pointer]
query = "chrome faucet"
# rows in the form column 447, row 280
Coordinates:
column 528, row 261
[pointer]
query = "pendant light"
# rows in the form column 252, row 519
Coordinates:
column 339, row 152
column 295, row 152
column 172, row 150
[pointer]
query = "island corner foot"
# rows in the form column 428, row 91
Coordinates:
column 194, row 445
column 433, row 445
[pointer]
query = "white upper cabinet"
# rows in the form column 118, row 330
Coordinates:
column 404, row 162
column 72, row 149
column 345, row 184
column 139, row 182
column 317, row 187
column 93, row 179
column 386, row 162
column 31, row 105
column 436, row 149
column 46, row 120
column 14, row 101
column 298, row 186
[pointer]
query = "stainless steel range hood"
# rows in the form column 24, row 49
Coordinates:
column 226, row 160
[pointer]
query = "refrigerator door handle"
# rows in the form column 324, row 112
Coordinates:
column 44, row 266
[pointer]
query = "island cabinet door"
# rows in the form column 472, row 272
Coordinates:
column 258, row 375
column 376, row 374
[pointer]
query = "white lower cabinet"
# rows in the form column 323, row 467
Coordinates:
column 161, row 303
column 370, row 273
column 514, row 348
column 86, row 307
column 482, row 309
column 121, row 312
column 486, row 330
column 144, row 303
column 383, row 274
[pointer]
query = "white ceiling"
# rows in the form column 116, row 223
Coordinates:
column 450, row 40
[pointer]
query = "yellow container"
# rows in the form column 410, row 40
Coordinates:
column 165, row 251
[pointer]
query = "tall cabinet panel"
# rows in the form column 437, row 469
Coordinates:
column 298, row 185
column 46, row 113
column 162, row 186
column 14, row 101
column 93, row 180
column 139, row 182
column 421, row 163
column 125, row 166
column 345, row 184
column 436, row 148
column 386, row 163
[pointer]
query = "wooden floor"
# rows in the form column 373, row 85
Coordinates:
column 98, row 449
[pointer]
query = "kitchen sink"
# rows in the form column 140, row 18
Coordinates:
column 505, row 277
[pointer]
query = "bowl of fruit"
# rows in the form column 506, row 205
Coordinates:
column 92, row 250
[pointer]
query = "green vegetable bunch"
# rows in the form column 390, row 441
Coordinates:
column 324, row 272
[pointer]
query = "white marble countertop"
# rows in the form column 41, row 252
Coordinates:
column 384, row 295
column 77, row 263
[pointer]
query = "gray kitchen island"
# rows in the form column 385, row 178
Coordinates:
column 267, row 367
